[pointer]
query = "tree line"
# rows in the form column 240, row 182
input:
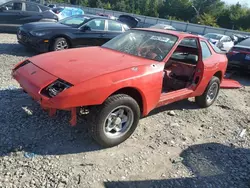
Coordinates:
column 206, row 12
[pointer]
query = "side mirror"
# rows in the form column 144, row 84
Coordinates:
column 86, row 28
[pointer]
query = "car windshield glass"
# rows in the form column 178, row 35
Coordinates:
column 74, row 21
column 146, row 44
column 213, row 36
column 216, row 49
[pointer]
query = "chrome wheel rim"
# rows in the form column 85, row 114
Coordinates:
column 118, row 122
column 212, row 92
column 61, row 45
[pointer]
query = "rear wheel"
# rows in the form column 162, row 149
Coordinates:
column 210, row 94
column 114, row 121
column 59, row 44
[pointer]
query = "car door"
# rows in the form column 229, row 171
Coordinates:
column 114, row 29
column 10, row 14
column 31, row 13
column 94, row 36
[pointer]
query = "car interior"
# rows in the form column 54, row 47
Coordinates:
column 180, row 69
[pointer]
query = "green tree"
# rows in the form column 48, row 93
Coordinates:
column 213, row 7
column 121, row 6
column 84, row 3
column 107, row 6
column 234, row 17
column 180, row 9
column 208, row 19
column 154, row 4
column 99, row 4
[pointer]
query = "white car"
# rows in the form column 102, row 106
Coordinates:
column 223, row 42
column 163, row 26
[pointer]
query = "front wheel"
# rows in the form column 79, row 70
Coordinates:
column 114, row 121
column 210, row 94
column 59, row 44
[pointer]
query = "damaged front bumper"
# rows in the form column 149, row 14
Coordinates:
column 33, row 80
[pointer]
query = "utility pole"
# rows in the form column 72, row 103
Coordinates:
column 197, row 12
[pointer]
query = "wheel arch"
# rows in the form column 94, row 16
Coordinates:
column 135, row 94
column 219, row 75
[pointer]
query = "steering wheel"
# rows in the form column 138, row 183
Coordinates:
column 144, row 51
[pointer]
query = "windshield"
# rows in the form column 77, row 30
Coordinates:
column 213, row 36
column 74, row 21
column 216, row 49
column 146, row 44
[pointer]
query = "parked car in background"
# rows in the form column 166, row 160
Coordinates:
column 237, row 38
column 74, row 31
column 64, row 12
column 163, row 26
column 223, row 42
column 107, row 15
column 131, row 21
column 124, row 79
column 239, row 56
column 16, row 13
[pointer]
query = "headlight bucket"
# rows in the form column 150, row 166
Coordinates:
column 55, row 88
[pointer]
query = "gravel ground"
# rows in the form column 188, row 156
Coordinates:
column 176, row 146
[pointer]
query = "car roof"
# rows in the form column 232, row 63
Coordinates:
column 217, row 34
column 23, row 1
column 92, row 16
column 177, row 33
column 68, row 7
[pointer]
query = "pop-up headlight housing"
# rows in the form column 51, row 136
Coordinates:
column 55, row 88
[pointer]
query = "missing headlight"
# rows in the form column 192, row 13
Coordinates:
column 55, row 88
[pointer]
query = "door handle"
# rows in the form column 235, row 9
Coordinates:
column 102, row 35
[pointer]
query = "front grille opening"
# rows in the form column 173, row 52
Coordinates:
column 22, row 64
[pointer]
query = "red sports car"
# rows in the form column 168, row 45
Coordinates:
column 126, row 78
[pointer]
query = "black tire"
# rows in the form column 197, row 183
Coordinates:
column 99, row 115
column 57, row 42
column 202, row 100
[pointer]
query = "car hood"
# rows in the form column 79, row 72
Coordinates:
column 44, row 26
column 81, row 64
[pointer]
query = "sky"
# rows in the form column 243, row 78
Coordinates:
column 240, row 1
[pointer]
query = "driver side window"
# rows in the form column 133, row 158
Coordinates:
column 12, row 6
column 186, row 51
column 96, row 24
column 31, row 7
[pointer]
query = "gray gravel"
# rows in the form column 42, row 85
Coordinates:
column 176, row 146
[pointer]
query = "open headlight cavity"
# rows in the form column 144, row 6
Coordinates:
column 55, row 88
